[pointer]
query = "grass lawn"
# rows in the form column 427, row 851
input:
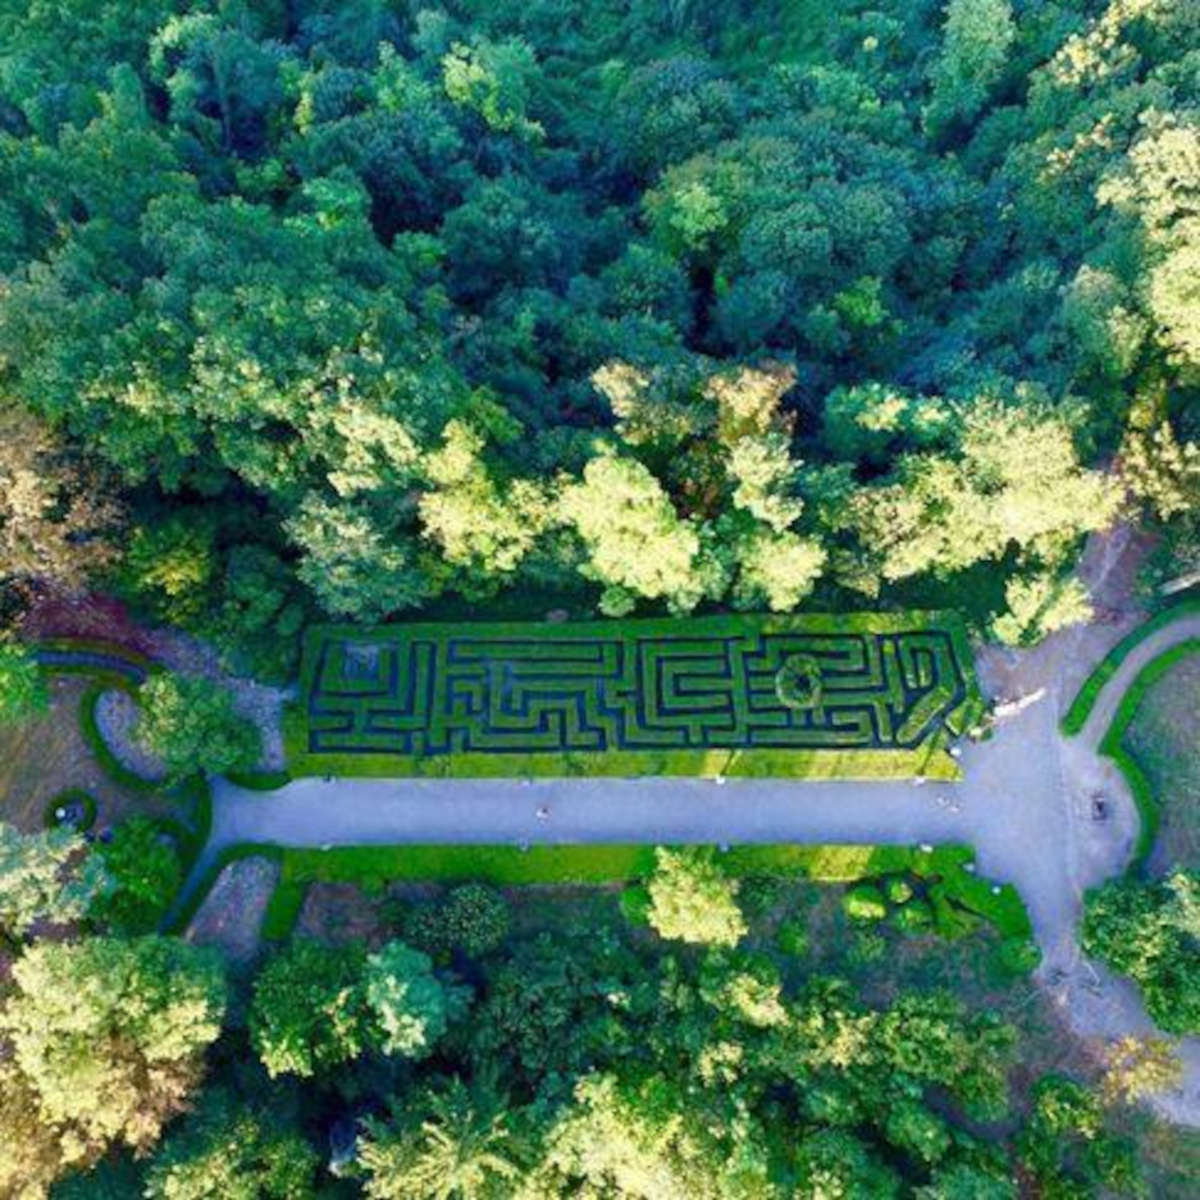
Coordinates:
column 1164, row 740
column 49, row 754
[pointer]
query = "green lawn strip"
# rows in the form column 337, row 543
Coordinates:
column 930, row 760
column 850, row 762
column 283, row 910
column 1112, row 745
column 509, row 866
column 1081, row 707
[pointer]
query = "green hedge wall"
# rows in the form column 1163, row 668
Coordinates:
column 1112, row 745
column 666, row 697
column 1081, row 707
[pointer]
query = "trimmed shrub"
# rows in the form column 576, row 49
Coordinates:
column 865, row 903
column 913, row 917
column 67, row 799
column 792, row 936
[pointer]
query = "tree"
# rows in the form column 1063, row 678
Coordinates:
column 692, row 899
column 635, row 1139
column 411, row 1007
column 145, row 874
column 1156, row 185
column 1139, row 1067
column 31, row 1158
column 227, row 1148
column 1017, row 480
column 975, row 46
column 46, row 877
column 109, row 1036
column 633, row 538
column 872, row 423
column 474, row 918
column 776, row 569
column 1041, row 605
column 479, row 525
column 1161, row 470
column 448, row 1143
column 23, row 691
column 308, row 1013
column 1149, row 932
column 493, row 79
column 355, row 565
column 57, row 512
column 190, row 723
column 1066, row 1143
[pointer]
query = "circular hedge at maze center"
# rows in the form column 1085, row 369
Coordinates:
column 798, row 682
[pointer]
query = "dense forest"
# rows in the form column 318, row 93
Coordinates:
column 703, row 1039
column 363, row 309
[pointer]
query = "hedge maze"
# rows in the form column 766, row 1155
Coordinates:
column 666, row 697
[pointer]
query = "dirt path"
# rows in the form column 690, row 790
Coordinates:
column 1026, row 805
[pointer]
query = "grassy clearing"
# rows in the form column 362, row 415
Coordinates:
column 52, row 753
column 1081, row 707
column 1158, row 748
column 1113, row 745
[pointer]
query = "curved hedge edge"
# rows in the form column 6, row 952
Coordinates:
column 67, row 796
column 67, row 645
column 1111, row 746
column 108, row 761
column 259, row 781
column 1076, row 716
column 179, row 917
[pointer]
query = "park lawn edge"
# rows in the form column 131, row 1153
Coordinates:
column 929, row 760
column 1075, row 718
column 190, row 840
column 372, row 866
column 1112, row 746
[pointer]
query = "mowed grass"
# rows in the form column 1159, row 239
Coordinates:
column 1164, row 740
column 48, row 754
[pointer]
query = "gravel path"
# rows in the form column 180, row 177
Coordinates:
column 257, row 702
column 232, row 913
column 1025, row 805
column 116, row 720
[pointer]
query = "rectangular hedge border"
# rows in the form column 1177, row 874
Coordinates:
column 1112, row 746
column 1076, row 716
column 928, row 759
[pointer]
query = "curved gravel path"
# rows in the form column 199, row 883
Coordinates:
column 1025, row 805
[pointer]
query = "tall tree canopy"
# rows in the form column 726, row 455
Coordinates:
column 697, row 304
